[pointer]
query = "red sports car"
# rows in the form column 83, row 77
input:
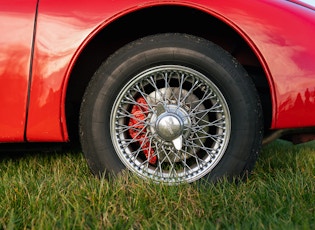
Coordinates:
column 174, row 90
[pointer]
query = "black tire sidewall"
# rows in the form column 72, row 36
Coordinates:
column 176, row 49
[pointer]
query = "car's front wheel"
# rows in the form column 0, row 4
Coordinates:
column 171, row 108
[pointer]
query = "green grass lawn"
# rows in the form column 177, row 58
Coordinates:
column 57, row 191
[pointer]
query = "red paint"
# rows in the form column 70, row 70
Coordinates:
column 16, row 28
column 283, row 44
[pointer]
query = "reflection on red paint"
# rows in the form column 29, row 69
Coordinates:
column 65, row 27
column 299, row 107
column 16, row 27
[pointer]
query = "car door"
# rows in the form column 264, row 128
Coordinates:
column 16, row 35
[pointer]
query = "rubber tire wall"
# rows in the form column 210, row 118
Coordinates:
column 180, row 49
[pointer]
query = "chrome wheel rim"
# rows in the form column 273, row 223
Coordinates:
column 170, row 124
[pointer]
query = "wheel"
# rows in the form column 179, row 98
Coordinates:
column 171, row 108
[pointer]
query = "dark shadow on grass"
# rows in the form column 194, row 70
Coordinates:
column 17, row 151
column 284, row 156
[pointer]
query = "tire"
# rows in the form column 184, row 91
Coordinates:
column 171, row 108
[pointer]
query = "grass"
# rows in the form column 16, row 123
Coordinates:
column 57, row 191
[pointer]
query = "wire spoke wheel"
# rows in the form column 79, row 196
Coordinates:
column 170, row 124
column 171, row 108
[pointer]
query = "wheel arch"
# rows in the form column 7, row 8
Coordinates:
column 160, row 19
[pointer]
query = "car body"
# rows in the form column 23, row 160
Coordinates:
column 51, row 49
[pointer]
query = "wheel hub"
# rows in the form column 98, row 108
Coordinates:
column 169, row 126
column 171, row 123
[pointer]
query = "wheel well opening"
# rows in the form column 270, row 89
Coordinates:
column 156, row 20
